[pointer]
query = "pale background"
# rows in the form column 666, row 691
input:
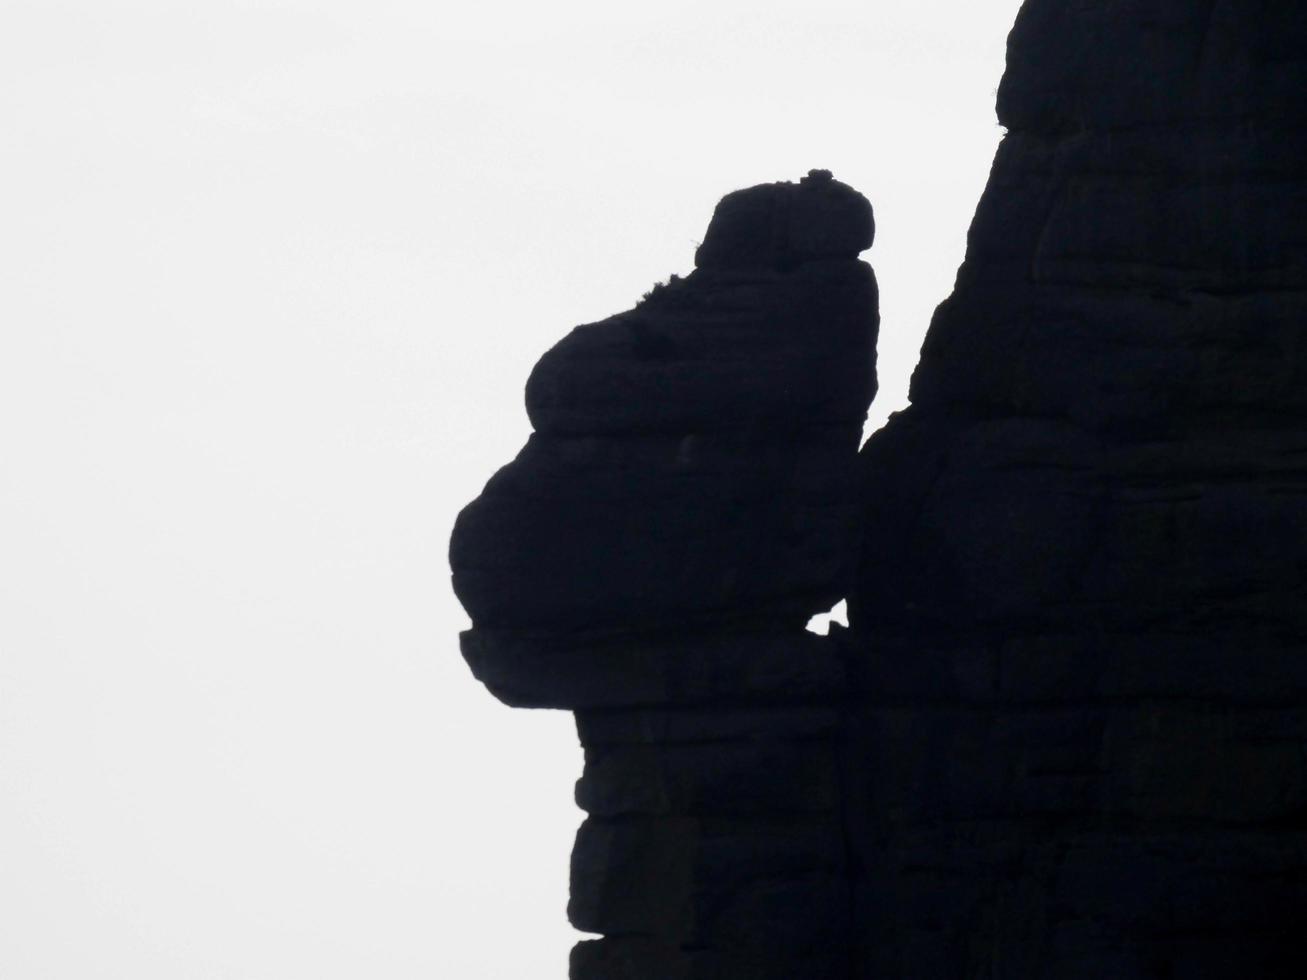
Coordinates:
column 272, row 275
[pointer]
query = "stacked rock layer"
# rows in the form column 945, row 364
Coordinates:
column 1081, row 614
column 1066, row 733
column 685, row 505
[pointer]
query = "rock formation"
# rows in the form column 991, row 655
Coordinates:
column 685, row 505
column 1066, row 732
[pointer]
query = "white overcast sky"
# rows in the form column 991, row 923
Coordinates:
column 272, row 276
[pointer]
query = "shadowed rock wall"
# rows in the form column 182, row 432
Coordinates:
column 1081, row 615
column 1066, row 732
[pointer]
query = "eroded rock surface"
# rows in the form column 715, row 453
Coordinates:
column 1066, row 733
column 690, row 470
column 1081, row 615
column 685, row 505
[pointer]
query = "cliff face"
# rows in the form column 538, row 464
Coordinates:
column 1081, row 613
column 1066, row 732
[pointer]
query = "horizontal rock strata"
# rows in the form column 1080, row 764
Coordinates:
column 650, row 560
column 1065, row 734
column 1081, row 613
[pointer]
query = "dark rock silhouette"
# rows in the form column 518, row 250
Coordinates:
column 691, row 466
column 686, row 504
column 1066, row 733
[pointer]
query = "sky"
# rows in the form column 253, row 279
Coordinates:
column 272, row 277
